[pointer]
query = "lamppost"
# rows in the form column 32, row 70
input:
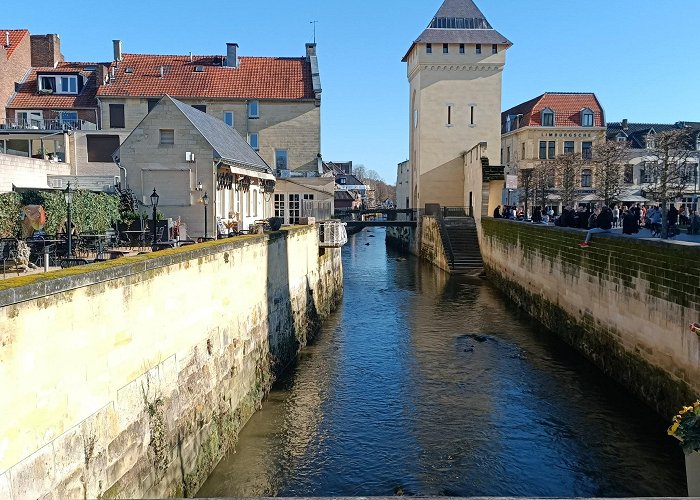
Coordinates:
column 205, row 201
column 68, row 194
column 154, row 202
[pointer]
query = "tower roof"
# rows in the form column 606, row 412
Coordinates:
column 459, row 21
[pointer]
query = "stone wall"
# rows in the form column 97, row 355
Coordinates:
column 27, row 172
column 624, row 303
column 431, row 247
column 132, row 378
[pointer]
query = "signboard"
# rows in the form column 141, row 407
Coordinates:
column 511, row 182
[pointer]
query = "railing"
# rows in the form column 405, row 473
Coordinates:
column 458, row 211
column 332, row 234
column 55, row 124
column 321, row 210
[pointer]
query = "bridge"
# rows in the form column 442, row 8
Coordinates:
column 368, row 217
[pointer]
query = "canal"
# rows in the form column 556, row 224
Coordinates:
column 422, row 384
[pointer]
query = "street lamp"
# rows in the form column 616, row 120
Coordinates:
column 68, row 195
column 154, row 202
column 205, row 201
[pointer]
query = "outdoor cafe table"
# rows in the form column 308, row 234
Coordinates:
column 96, row 242
column 42, row 244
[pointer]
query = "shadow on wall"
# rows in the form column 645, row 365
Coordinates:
column 444, row 184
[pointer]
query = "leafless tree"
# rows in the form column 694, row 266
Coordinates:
column 667, row 168
column 527, row 182
column 568, row 169
column 609, row 160
column 543, row 176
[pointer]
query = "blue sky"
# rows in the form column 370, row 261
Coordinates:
column 640, row 58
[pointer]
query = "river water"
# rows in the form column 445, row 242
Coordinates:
column 422, row 384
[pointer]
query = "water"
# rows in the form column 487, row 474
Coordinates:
column 423, row 384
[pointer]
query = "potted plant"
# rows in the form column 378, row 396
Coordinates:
column 686, row 428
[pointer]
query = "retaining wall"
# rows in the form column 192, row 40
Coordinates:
column 625, row 303
column 132, row 378
column 27, row 172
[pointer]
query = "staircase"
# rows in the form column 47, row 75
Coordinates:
column 461, row 243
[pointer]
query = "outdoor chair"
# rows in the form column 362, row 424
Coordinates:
column 9, row 254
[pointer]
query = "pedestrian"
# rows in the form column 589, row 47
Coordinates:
column 630, row 224
column 616, row 215
column 603, row 222
column 537, row 215
column 497, row 212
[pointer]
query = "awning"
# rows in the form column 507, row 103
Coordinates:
column 633, row 198
column 590, row 198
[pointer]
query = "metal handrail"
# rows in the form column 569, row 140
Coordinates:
column 54, row 124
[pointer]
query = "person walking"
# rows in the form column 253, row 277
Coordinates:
column 603, row 221
column 616, row 216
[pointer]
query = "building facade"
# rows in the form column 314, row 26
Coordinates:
column 455, row 72
column 538, row 131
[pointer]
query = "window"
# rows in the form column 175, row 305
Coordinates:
column 253, row 109
column 415, row 118
column 647, row 173
column 200, row 107
column 628, row 177
column 494, row 49
column 58, row 84
column 568, row 147
column 508, row 154
column 116, row 116
column 281, row 159
column 586, row 178
column 294, row 208
column 167, row 136
column 30, row 119
column 428, row 48
column 471, row 115
column 68, row 118
column 445, row 48
column 478, row 48
column 621, row 138
column 101, row 147
column 449, row 115
column 509, row 123
column 522, row 156
column 543, row 150
column 254, row 212
column 650, row 141
column 152, row 104
column 228, row 118
column 461, row 48
column 279, row 205
column 587, row 118
column 253, row 141
column 342, row 181
column 547, row 117
column 552, row 150
column 587, row 150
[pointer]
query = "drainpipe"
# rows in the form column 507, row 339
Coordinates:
column 122, row 169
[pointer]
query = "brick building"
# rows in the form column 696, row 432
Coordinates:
column 15, row 61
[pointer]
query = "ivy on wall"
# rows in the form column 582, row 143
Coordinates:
column 89, row 211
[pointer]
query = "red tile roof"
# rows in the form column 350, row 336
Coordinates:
column 255, row 78
column 16, row 37
column 27, row 96
column 567, row 109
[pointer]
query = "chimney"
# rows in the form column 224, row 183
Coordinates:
column 625, row 124
column 45, row 50
column 7, row 39
column 232, row 55
column 162, row 71
column 310, row 50
column 117, row 44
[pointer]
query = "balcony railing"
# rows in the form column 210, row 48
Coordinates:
column 53, row 125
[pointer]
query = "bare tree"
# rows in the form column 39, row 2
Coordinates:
column 568, row 169
column 359, row 171
column 527, row 182
column 543, row 176
column 609, row 160
column 667, row 168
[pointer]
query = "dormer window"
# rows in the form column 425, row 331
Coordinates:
column 650, row 141
column 587, row 118
column 547, row 117
column 58, row 84
column 509, row 124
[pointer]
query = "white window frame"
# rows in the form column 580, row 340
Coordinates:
column 228, row 116
column 254, row 140
column 548, row 112
column 33, row 117
column 294, row 208
column 71, row 82
column 62, row 117
column 279, row 205
column 286, row 159
column 253, row 109
column 587, row 112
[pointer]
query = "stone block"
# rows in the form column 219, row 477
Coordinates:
column 34, row 476
column 5, row 486
column 307, row 221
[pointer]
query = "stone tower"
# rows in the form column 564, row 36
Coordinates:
column 454, row 70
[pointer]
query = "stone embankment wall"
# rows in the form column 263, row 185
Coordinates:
column 132, row 378
column 625, row 303
column 27, row 172
column 424, row 241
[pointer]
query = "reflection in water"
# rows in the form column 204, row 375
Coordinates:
column 433, row 385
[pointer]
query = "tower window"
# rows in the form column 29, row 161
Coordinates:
column 478, row 48
column 494, row 49
column 461, row 48
column 428, row 48
column 471, row 114
column 445, row 48
column 449, row 115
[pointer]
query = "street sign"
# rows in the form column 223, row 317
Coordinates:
column 511, row 182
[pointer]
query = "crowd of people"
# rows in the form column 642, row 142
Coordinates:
column 630, row 218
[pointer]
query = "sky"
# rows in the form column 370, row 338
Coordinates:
column 640, row 58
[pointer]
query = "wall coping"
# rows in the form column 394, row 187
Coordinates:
column 34, row 286
column 656, row 243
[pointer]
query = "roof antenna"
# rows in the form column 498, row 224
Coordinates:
column 314, row 23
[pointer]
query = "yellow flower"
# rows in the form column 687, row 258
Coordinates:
column 686, row 409
column 696, row 405
column 672, row 430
